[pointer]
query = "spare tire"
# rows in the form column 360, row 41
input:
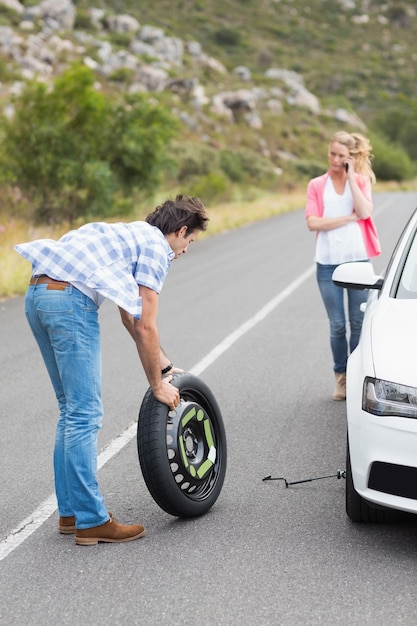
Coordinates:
column 182, row 453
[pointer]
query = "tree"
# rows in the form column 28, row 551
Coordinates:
column 391, row 160
column 398, row 122
column 71, row 149
column 142, row 131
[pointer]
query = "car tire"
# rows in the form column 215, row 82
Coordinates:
column 358, row 509
column 182, row 453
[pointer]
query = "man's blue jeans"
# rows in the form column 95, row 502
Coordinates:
column 333, row 299
column 65, row 326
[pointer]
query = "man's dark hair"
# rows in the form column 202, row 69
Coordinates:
column 172, row 215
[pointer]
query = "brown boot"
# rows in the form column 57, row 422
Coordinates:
column 340, row 389
column 66, row 525
column 110, row 532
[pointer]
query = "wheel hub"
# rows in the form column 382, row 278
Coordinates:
column 190, row 444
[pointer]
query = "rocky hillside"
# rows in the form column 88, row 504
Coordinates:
column 274, row 77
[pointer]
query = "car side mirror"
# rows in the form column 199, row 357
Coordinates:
column 357, row 275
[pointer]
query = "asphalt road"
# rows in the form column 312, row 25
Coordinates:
column 242, row 310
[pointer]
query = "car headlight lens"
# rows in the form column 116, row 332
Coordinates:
column 382, row 397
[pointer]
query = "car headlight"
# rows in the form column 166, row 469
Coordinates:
column 382, row 397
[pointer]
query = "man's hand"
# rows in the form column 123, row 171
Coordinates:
column 167, row 393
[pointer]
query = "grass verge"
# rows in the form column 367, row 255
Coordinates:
column 15, row 271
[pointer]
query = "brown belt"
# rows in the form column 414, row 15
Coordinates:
column 58, row 285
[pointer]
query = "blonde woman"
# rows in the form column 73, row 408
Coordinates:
column 339, row 208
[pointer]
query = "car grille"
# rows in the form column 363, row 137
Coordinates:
column 398, row 480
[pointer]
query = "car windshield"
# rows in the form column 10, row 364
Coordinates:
column 407, row 287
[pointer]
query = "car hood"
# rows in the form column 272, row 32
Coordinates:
column 394, row 340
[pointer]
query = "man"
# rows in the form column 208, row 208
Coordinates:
column 126, row 263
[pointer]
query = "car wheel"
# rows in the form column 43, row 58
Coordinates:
column 358, row 509
column 182, row 453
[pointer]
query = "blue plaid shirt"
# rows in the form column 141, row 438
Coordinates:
column 110, row 259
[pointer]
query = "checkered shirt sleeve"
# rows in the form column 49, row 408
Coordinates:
column 112, row 259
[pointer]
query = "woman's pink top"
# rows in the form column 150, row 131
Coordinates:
column 315, row 206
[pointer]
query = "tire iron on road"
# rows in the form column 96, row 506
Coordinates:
column 338, row 475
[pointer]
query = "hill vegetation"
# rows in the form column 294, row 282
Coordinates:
column 78, row 143
column 356, row 55
column 279, row 77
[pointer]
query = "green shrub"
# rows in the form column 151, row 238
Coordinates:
column 9, row 16
column 120, row 40
column 227, row 36
column 398, row 124
column 70, row 149
column 210, row 188
column 7, row 71
column 123, row 75
column 408, row 137
column 309, row 169
column 193, row 159
column 83, row 21
column 231, row 165
column 256, row 169
column 391, row 161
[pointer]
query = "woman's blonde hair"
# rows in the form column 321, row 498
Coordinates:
column 361, row 150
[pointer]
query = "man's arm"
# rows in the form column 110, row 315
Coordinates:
column 146, row 337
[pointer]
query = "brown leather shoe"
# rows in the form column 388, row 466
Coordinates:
column 66, row 525
column 110, row 532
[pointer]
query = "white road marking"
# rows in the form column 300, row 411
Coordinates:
column 250, row 323
column 28, row 526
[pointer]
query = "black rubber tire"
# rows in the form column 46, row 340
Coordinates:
column 183, row 453
column 358, row 509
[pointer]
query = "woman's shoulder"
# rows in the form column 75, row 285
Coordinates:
column 317, row 181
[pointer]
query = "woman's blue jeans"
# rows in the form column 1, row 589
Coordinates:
column 65, row 326
column 333, row 299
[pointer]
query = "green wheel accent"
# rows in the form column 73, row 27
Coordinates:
column 204, row 468
column 182, row 450
column 208, row 433
column 188, row 416
column 200, row 415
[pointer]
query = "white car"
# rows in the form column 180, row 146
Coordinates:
column 381, row 395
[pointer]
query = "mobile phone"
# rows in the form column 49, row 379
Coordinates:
column 346, row 166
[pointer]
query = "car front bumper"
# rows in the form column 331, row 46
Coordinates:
column 383, row 453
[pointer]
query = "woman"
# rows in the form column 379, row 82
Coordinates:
column 339, row 208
